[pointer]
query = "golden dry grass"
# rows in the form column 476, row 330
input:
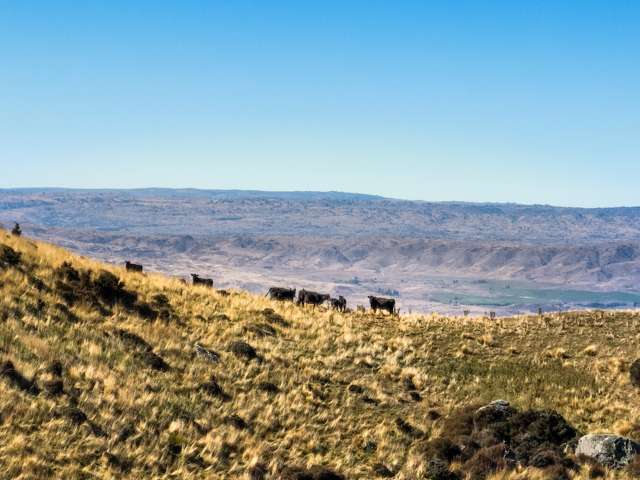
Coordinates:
column 574, row 363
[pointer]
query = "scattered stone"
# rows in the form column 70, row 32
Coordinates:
column 415, row 396
column 207, row 354
column 609, row 450
column 634, row 373
column 243, row 350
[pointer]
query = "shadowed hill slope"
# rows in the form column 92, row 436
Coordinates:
column 109, row 374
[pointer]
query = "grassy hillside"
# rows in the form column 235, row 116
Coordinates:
column 104, row 379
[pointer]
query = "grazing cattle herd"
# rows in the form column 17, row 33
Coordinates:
column 305, row 297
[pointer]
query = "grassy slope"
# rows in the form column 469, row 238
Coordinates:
column 575, row 364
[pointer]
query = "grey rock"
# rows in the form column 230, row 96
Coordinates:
column 495, row 411
column 611, row 451
column 207, row 354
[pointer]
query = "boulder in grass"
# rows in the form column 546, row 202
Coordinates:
column 610, row 451
column 496, row 411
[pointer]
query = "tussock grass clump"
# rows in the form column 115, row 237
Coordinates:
column 111, row 374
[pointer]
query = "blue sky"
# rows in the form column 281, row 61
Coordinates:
column 531, row 102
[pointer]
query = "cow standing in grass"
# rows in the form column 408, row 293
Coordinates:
column 132, row 267
column 381, row 303
column 312, row 298
column 339, row 304
column 283, row 294
column 197, row 280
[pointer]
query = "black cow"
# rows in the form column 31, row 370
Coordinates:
column 380, row 303
column 132, row 267
column 280, row 293
column 207, row 282
column 312, row 298
column 339, row 303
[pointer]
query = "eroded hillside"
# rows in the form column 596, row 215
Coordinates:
column 109, row 374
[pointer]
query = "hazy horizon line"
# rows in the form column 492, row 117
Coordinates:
column 371, row 196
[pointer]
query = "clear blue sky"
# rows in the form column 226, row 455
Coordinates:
column 532, row 101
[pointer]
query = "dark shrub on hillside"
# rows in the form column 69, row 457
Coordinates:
column 381, row 470
column 634, row 373
column 268, row 387
column 443, row 449
column 408, row 429
column 100, row 290
column 236, row 421
column 144, row 310
column 243, row 350
column 132, row 339
column 258, row 472
column 213, row 388
column 488, row 460
column 8, row 256
column 272, row 317
column 313, row 473
column 160, row 300
column 15, row 378
column 439, row 470
column 67, row 273
column 153, row 361
column 497, row 437
column 109, row 289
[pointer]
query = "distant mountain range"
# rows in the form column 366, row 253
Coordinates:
column 347, row 243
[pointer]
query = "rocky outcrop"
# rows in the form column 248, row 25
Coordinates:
column 609, row 450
